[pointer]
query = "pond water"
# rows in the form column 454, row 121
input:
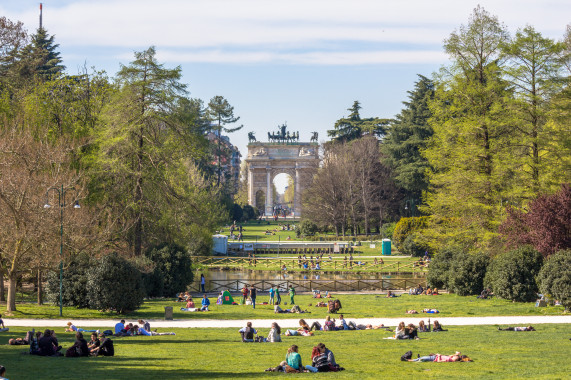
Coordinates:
column 224, row 275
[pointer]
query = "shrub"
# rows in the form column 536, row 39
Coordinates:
column 388, row 230
column 115, row 284
column 307, row 228
column 406, row 226
column 511, row 275
column 467, row 272
column 236, row 212
column 415, row 245
column 555, row 277
column 250, row 213
column 437, row 276
column 172, row 272
column 75, row 276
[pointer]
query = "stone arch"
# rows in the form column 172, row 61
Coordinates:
column 266, row 160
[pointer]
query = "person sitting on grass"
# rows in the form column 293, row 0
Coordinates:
column 4, row 328
column 205, row 303
column 329, row 325
column 79, row 348
column 436, row 327
column 105, row 348
column 48, row 345
column 190, row 304
column 291, row 364
column 93, row 343
column 344, row 325
column 72, row 328
column 274, row 334
column 35, row 344
column 457, row 357
column 422, row 327
column 144, row 325
column 528, row 328
column 248, row 332
column 411, row 331
column 3, row 373
column 120, row 327
column 319, row 361
column 333, row 366
column 304, row 326
column 400, row 331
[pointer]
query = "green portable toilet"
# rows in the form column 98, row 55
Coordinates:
column 386, row 247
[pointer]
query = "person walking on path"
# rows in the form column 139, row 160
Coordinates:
column 272, row 294
column 202, row 282
column 245, row 293
column 253, row 295
column 291, row 294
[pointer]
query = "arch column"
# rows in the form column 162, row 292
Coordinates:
column 251, row 192
column 269, row 193
column 297, row 193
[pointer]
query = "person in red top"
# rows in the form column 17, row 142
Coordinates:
column 245, row 293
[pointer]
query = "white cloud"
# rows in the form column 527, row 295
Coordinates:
column 270, row 30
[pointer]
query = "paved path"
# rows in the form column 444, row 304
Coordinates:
column 288, row 323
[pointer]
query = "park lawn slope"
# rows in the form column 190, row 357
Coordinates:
column 219, row 354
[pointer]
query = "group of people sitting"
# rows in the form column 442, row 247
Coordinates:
column 322, row 360
column 46, row 344
column 250, row 334
column 190, row 306
column 419, row 290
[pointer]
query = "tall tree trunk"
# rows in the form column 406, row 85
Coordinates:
column 11, row 304
column 2, row 295
column 138, row 243
column 40, row 289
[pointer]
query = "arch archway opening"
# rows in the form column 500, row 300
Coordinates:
column 284, row 193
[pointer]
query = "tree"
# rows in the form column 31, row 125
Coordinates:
column 13, row 38
column 115, row 284
column 467, row 273
column 29, row 165
column 353, row 127
column 511, row 275
column 468, row 152
column 555, row 277
column 222, row 113
column 144, row 171
column 173, row 267
column 545, row 225
column 533, row 69
column 44, row 52
column 406, row 136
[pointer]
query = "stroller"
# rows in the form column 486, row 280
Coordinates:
column 333, row 306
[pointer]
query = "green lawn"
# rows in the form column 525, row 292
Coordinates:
column 354, row 306
column 218, row 354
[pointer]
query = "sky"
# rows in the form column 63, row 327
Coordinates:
column 300, row 62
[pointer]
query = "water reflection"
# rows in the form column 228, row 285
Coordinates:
column 218, row 275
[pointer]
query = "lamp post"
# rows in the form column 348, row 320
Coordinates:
column 412, row 204
column 61, row 192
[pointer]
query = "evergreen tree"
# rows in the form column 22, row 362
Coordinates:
column 221, row 113
column 354, row 127
column 469, row 152
column 43, row 50
column 533, row 69
column 407, row 135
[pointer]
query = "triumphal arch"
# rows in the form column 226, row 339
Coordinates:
column 283, row 153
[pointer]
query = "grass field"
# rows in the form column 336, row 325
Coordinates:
column 354, row 306
column 219, row 354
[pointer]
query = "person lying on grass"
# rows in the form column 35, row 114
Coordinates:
column 528, row 328
column 344, row 325
column 22, row 341
column 457, row 357
column 72, row 328
column 140, row 331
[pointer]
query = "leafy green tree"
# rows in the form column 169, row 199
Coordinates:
column 439, row 269
column 555, row 277
column 467, row 273
column 511, row 275
column 172, row 268
column 534, row 70
column 407, row 135
column 221, row 113
column 354, row 127
column 469, row 152
column 115, row 284
column 144, row 168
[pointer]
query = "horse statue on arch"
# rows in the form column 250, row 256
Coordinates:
column 314, row 137
column 251, row 137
